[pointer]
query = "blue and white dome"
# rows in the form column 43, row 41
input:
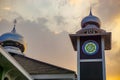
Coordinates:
column 13, row 36
column 93, row 20
column 13, row 42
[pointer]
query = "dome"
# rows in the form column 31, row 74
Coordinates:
column 90, row 20
column 13, row 37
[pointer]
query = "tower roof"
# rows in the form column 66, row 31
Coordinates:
column 90, row 19
column 38, row 67
column 91, row 27
column 14, row 37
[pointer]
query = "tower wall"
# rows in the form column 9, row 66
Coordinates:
column 91, row 66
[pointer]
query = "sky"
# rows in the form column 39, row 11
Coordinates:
column 46, row 25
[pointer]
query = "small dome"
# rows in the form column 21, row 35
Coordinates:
column 13, row 37
column 90, row 20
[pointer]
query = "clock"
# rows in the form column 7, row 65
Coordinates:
column 90, row 47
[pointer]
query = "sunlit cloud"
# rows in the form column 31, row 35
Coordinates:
column 113, row 77
column 116, row 29
column 113, row 56
column 74, row 2
column 7, row 8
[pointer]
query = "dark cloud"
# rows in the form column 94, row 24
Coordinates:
column 60, row 20
column 4, row 26
column 9, row 15
column 42, row 20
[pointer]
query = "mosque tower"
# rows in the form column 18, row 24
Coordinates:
column 90, row 42
column 13, row 42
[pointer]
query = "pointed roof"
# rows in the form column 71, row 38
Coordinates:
column 90, row 19
column 33, row 66
column 10, row 60
column 91, row 27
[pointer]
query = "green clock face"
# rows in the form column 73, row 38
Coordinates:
column 90, row 47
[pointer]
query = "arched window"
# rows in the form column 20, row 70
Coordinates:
column 6, row 78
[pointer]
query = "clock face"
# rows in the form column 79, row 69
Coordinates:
column 90, row 47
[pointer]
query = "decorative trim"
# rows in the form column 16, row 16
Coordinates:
column 54, row 76
column 91, row 60
column 103, row 58
column 78, row 58
column 90, row 47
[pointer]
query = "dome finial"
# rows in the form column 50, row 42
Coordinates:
column 14, row 30
column 90, row 20
column 90, row 11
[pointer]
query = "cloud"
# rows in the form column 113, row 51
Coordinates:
column 109, row 13
column 42, row 43
column 113, row 60
column 59, row 20
column 109, row 9
column 48, row 46
column 7, row 8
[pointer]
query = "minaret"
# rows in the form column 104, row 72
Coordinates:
column 90, row 42
column 13, row 42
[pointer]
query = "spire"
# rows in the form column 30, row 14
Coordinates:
column 14, row 30
column 90, row 11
